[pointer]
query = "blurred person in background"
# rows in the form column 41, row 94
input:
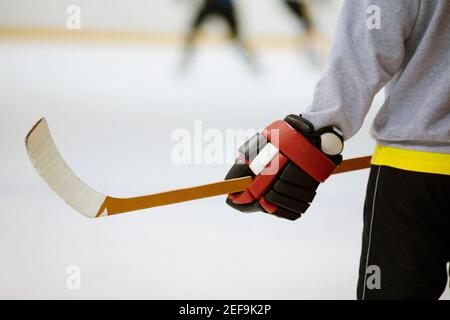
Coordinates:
column 226, row 10
column 312, row 48
column 298, row 8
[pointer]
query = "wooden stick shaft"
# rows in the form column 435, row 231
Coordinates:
column 115, row 206
column 353, row 165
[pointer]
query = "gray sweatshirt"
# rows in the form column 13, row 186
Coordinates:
column 409, row 55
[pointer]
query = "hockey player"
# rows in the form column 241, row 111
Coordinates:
column 298, row 8
column 313, row 47
column 403, row 46
column 226, row 10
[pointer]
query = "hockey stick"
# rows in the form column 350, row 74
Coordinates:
column 54, row 170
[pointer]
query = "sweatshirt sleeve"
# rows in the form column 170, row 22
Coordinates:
column 364, row 57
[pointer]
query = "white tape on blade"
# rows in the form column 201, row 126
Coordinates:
column 263, row 158
column 55, row 171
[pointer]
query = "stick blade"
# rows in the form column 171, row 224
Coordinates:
column 54, row 170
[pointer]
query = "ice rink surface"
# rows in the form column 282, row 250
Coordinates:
column 112, row 110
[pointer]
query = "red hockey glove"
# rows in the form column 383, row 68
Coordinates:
column 288, row 161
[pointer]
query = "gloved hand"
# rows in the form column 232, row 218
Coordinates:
column 288, row 161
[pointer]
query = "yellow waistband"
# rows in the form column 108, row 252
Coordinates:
column 411, row 160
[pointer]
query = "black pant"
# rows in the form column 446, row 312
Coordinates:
column 225, row 12
column 406, row 237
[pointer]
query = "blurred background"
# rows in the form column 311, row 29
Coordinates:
column 115, row 79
